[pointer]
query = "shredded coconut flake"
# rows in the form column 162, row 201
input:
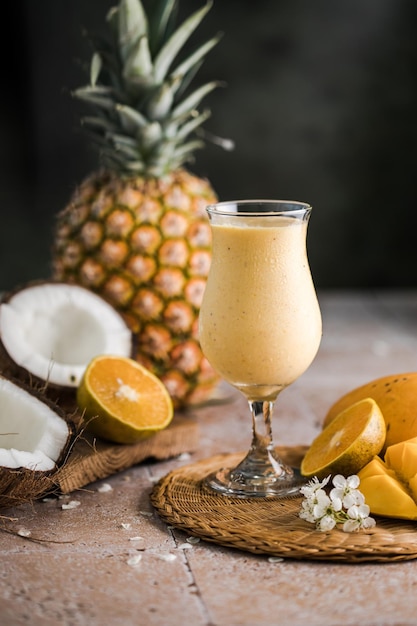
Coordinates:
column 104, row 488
column 72, row 504
column 23, row 532
column 167, row 557
column 126, row 525
column 193, row 540
column 135, row 538
column 275, row 559
column 134, row 560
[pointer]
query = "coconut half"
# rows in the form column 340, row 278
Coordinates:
column 32, row 434
column 35, row 439
column 53, row 330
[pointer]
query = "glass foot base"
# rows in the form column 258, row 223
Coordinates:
column 231, row 482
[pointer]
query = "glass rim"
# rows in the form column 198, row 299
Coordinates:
column 294, row 207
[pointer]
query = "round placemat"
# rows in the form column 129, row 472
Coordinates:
column 271, row 526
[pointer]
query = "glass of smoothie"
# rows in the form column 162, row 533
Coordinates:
column 260, row 326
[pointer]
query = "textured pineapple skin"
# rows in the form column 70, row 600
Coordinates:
column 145, row 246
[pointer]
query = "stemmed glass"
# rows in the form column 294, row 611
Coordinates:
column 260, row 326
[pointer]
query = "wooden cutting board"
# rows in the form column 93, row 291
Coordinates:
column 93, row 459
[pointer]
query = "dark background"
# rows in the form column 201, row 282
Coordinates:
column 320, row 99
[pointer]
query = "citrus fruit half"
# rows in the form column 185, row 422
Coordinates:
column 122, row 401
column 348, row 443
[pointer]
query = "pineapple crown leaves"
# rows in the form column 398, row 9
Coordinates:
column 142, row 115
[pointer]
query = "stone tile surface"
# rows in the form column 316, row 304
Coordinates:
column 112, row 561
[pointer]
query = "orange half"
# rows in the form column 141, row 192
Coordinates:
column 348, row 443
column 122, row 401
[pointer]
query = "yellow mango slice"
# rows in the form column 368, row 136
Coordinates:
column 390, row 486
column 402, row 458
column 386, row 496
column 374, row 468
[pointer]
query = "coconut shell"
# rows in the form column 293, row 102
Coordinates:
column 64, row 397
column 21, row 485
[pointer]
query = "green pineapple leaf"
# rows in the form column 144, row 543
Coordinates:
column 194, row 59
column 161, row 23
column 169, row 51
column 138, row 68
column 95, row 69
column 143, row 113
column 194, row 99
column 132, row 26
column 131, row 119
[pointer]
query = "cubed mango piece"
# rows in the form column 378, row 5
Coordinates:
column 373, row 468
column 402, row 458
column 390, row 486
column 386, row 496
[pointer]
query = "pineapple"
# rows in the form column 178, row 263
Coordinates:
column 136, row 230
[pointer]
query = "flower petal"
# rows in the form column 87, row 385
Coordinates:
column 351, row 525
column 339, row 481
column 337, row 503
column 364, row 510
column 368, row 522
column 326, row 523
column 353, row 481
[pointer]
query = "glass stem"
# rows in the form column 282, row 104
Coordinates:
column 262, row 448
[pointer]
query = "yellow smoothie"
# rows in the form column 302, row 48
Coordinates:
column 260, row 323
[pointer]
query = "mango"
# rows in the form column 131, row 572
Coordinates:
column 396, row 396
column 413, row 487
column 403, row 459
column 390, row 485
column 385, row 496
column 374, row 468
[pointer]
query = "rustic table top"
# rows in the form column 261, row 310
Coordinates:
column 111, row 560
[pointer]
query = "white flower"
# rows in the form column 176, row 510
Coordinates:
column 345, row 490
column 345, row 505
column 314, row 485
column 321, row 503
column 358, row 512
column 307, row 512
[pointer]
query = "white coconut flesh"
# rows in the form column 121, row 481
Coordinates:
column 32, row 435
column 54, row 330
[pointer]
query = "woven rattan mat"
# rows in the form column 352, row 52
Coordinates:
column 271, row 526
column 92, row 459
